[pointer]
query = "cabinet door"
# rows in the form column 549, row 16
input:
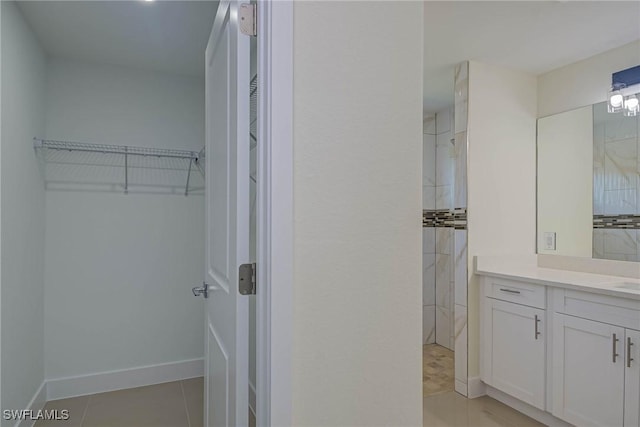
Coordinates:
column 517, row 350
column 632, row 378
column 588, row 372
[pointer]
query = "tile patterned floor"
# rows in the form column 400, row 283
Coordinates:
column 179, row 404
column 437, row 370
column 453, row 410
column 443, row 407
column 174, row 404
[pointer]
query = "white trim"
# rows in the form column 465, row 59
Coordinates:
column 461, row 388
column 36, row 403
column 541, row 416
column 275, row 214
column 476, row 388
column 61, row 388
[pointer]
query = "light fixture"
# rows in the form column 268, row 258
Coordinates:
column 631, row 106
column 615, row 100
column 622, row 97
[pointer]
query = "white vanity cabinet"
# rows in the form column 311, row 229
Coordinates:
column 563, row 351
column 514, row 339
column 588, row 372
column 596, row 357
column 632, row 379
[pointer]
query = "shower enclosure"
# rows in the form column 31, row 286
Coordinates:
column 444, row 220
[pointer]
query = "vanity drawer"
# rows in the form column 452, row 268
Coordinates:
column 524, row 293
column 617, row 311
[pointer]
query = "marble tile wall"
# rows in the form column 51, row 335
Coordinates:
column 438, row 193
column 429, row 163
column 460, row 263
column 616, row 244
column 445, row 159
column 428, row 285
column 444, row 287
column 429, row 233
column 445, row 174
column 616, row 182
column 445, row 247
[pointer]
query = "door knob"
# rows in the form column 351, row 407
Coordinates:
column 201, row 290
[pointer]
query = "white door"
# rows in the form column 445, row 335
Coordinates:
column 227, row 214
column 632, row 378
column 517, row 345
column 588, row 372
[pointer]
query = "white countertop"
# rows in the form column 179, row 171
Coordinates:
column 529, row 271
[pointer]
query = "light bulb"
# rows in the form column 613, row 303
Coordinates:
column 631, row 106
column 615, row 100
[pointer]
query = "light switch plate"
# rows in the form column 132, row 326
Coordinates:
column 549, row 240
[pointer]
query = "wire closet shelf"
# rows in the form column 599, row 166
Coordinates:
column 68, row 165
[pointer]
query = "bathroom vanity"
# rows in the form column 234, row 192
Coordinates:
column 558, row 341
column 565, row 343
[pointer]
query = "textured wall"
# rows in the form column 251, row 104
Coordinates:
column 23, row 212
column 357, row 202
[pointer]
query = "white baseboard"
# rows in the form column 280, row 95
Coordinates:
column 476, row 388
column 537, row 414
column 37, row 402
column 252, row 397
column 461, row 388
column 61, row 388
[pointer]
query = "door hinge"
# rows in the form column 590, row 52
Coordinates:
column 248, row 19
column 247, row 279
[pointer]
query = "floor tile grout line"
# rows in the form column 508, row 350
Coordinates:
column 86, row 408
column 186, row 407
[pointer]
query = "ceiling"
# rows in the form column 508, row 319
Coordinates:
column 533, row 36
column 168, row 36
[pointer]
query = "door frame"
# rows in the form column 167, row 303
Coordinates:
column 274, row 214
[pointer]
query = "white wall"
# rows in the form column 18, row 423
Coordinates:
column 565, row 181
column 585, row 82
column 119, row 268
column 357, row 223
column 100, row 103
column 22, row 204
column 119, row 272
column 501, row 173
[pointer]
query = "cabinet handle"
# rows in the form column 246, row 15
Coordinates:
column 537, row 320
column 511, row 291
column 615, row 342
column 629, row 358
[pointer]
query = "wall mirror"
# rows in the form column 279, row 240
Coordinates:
column 589, row 184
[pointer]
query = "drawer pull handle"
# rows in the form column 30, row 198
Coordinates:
column 629, row 358
column 537, row 321
column 615, row 345
column 511, row 291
